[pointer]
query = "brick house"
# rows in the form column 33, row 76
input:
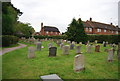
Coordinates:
column 92, row 27
column 48, row 30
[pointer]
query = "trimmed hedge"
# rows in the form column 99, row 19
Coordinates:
column 101, row 38
column 8, row 40
column 49, row 37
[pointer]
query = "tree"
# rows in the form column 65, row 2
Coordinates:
column 75, row 31
column 23, row 29
column 10, row 16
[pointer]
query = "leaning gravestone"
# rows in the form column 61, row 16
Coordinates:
column 52, row 51
column 118, row 53
column 89, row 48
column 79, row 63
column 31, row 52
column 66, row 49
column 78, row 49
column 97, row 48
column 38, row 46
column 104, row 44
column 110, row 55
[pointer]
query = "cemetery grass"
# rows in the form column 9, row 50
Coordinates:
column 16, row 65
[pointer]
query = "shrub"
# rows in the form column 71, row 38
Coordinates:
column 8, row 40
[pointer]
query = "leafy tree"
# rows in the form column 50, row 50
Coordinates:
column 24, row 29
column 10, row 16
column 75, row 31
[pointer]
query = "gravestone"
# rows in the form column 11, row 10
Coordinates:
column 78, row 49
column 38, row 46
column 97, row 48
column 96, row 41
column 73, row 42
column 52, row 77
column 118, row 53
column 110, row 45
column 31, row 52
column 68, row 42
column 110, row 55
column 61, row 45
column 52, row 51
column 71, row 46
column 114, row 48
column 50, row 45
column 79, row 63
column 89, row 48
column 66, row 49
column 104, row 44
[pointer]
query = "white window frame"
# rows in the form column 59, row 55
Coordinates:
column 46, row 32
column 90, row 29
column 105, row 30
column 98, row 30
column 86, row 29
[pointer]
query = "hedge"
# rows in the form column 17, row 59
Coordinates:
column 91, row 38
column 101, row 38
column 8, row 40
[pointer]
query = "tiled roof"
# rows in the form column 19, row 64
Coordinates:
column 94, row 24
column 50, row 28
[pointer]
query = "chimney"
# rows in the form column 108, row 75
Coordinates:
column 90, row 19
column 41, row 25
column 111, row 24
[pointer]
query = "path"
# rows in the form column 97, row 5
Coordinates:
column 5, row 50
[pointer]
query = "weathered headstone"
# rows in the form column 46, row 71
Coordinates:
column 78, row 49
column 38, row 46
column 61, row 45
column 110, row 55
column 66, row 49
column 68, row 42
column 50, row 45
column 96, row 41
column 97, row 48
column 31, row 52
column 79, row 63
column 52, row 51
column 89, row 48
column 114, row 48
column 104, row 44
column 118, row 53
column 72, row 46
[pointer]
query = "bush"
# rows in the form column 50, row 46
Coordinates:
column 8, row 40
column 50, row 37
column 101, row 38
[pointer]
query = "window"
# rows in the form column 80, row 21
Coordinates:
column 86, row 29
column 46, row 32
column 112, row 31
column 56, row 32
column 98, row 30
column 51, row 32
column 116, row 32
column 104, row 30
column 90, row 29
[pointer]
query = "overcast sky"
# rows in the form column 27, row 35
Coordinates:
column 59, row 13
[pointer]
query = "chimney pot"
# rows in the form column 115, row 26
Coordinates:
column 90, row 19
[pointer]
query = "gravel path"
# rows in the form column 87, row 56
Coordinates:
column 5, row 50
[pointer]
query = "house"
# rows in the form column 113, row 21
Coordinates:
column 48, row 30
column 92, row 27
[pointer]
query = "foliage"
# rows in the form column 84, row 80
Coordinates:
column 10, row 15
column 23, row 29
column 101, row 38
column 75, row 31
column 9, row 40
column 50, row 37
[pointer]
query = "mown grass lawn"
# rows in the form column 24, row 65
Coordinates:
column 16, row 65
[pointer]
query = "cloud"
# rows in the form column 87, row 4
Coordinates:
column 59, row 13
